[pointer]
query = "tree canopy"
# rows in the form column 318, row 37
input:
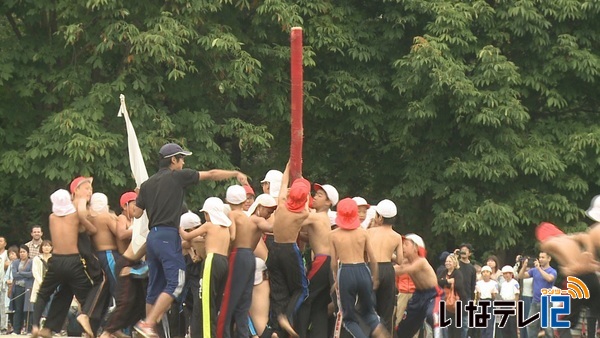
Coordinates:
column 476, row 117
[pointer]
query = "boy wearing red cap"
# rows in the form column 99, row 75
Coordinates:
column 575, row 256
column 125, row 220
column 349, row 244
column 289, row 285
column 425, row 302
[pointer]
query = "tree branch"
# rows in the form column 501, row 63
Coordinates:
column 13, row 24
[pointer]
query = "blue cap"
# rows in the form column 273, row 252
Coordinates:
column 172, row 149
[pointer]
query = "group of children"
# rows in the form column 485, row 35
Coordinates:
column 248, row 271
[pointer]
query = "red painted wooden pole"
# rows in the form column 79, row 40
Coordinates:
column 297, row 103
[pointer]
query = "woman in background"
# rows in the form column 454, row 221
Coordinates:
column 22, row 282
column 39, row 266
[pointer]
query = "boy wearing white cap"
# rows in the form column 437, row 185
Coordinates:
column 388, row 248
column 486, row 289
column 349, row 244
column 215, row 267
column 313, row 312
column 240, row 282
column 263, row 207
column 425, row 302
column 105, row 241
column 67, row 268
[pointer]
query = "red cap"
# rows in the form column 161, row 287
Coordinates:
column 546, row 230
column 347, row 214
column 296, row 199
column 78, row 181
column 127, row 197
column 249, row 190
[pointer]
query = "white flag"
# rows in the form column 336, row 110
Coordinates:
column 140, row 174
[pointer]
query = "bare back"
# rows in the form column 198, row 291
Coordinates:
column 386, row 243
column 350, row 245
column 247, row 233
column 217, row 239
column 287, row 224
column 106, row 227
column 318, row 226
column 64, row 231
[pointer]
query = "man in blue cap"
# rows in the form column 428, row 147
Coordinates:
column 162, row 196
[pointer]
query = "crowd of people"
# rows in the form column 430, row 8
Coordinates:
column 278, row 264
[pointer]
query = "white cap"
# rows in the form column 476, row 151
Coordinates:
column 265, row 200
column 61, row 203
column 370, row 215
column 508, row 268
column 361, row 201
column 386, row 208
column 594, row 211
column 416, row 239
column 213, row 206
column 99, row 202
column 332, row 216
column 486, row 268
column 236, row 194
column 189, row 220
column 332, row 193
column 273, row 176
column 275, row 188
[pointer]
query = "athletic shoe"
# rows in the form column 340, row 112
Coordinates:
column 145, row 329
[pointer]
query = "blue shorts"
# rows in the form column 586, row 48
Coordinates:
column 165, row 262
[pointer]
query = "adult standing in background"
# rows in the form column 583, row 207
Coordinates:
column 21, row 292
column 162, row 196
column 469, row 275
column 543, row 278
column 4, row 265
column 35, row 244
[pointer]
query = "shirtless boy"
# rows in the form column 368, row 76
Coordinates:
column 263, row 207
column 574, row 254
column 104, row 239
column 214, row 268
column 242, row 265
column 313, row 312
column 289, row 286
column 125, row 220
column 349, row 244
column 425, row 302
column 388, row 249
column 66, row 267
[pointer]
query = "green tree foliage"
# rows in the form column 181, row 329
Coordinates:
column 476, row 117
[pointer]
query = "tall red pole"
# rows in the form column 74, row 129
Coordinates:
column 297, row 103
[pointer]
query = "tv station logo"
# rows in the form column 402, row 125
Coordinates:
column 554, row 303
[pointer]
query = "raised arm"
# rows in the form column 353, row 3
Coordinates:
column 82, row 214
column 285, row 181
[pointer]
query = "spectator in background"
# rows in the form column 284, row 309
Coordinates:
column 494, row 264
column 442, row 265
column 469, row 279
column 526, row 293
column 35, row 244
column 543, row 278
column 4, row 264
column 450, row 276
column 509, row 290
column 39, row 266
column 21, row 292
column 13, row 254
